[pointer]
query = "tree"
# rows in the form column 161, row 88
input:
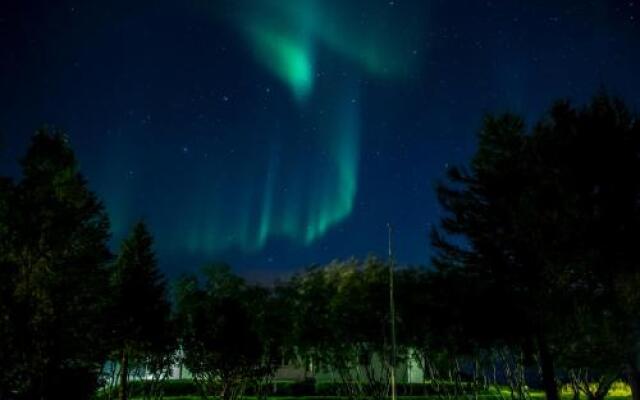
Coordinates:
column 431, row 308
column 491, row 207
column 221, row 332
column 271, row 322
column 547, row 215
column 56, row 237
column 591, row 155
column 141, row 311
column 309, row 298
column 593, row 354
column 10, row 365
column 341, row 321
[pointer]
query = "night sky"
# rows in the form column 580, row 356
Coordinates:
column 275, row 134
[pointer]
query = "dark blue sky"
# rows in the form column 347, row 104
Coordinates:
column 274, row 134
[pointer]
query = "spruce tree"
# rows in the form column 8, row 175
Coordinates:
column 55, row 238
column 141, row 310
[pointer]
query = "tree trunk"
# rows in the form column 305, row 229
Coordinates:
column 634, row 379
column 124, row 375
column 548, row 372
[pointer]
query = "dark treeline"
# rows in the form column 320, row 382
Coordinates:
column 535, row 281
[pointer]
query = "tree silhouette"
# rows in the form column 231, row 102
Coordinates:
column 547, row 216
column 11, row 366
column 221, row 332
column 590, row 158
column 55, row 237
column 141, row 320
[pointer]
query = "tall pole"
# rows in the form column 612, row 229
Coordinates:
column 392, row 314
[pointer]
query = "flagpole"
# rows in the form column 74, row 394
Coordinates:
column 392, row 313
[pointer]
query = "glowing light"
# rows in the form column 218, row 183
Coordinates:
column 284, row 34
column 287, row 58
column 304, row 179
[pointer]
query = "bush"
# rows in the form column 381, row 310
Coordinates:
column 299, row 389
column 180, row 387
column 327, row 389
column 305, row 387
column 171, row 388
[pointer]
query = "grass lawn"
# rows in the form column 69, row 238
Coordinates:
column 618, row 391
column 535, row 395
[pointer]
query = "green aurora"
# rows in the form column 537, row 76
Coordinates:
column 295, row 188
column 272, row 134
column 284, row 36
column 302, row 187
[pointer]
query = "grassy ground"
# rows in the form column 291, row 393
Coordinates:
column 535, row 395
column 618, row 391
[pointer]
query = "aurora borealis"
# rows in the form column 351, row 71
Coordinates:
column 272, row 200
column 274, row 134
column 284, row 37
column 286, row 34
